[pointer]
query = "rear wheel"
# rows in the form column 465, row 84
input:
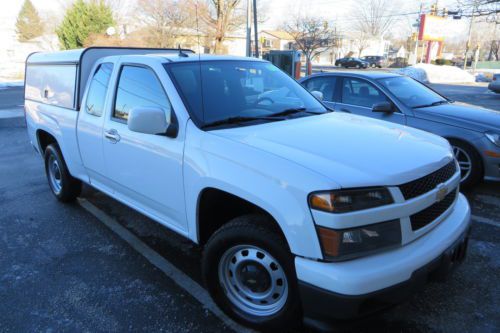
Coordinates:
column 471, row 166
column 65, row 187
column 249, row 272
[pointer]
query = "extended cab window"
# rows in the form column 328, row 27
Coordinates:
column 361, row 93
column 97, row 90
column 139, row 87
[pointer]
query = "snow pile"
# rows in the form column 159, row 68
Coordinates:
column 5, row 85
column 437, row 74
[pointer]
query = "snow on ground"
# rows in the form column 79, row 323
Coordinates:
column 429, row 73
column 7, row 84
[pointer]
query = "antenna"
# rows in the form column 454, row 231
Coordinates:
column 197, row 28
column 199, row 61
column 181, row 53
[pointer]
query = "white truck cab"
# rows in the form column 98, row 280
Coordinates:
column 303, row 212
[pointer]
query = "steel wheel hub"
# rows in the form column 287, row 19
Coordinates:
column 253, row 280
column 55, row 175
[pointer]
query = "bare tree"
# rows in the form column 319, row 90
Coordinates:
column 166, row 20
column 361, row 41
column 312, row 36
column 373, row 17
column 220, row 18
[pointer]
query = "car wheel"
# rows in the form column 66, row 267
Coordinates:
column 249, row 271
column 469, row 160
column 65, row 187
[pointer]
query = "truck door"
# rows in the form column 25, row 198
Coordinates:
column 91, row 121
column 144, row 170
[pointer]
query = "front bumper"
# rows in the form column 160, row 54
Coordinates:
column 358, row 287
column 322, row 306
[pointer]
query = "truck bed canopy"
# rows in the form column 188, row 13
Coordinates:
column 83, row 61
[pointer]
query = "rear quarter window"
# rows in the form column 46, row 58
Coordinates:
column 51, row 84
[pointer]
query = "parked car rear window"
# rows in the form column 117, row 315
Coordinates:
column 98, row 89
column 218, row 90
column 410, row 92
column 139, row 87
column 361, row 93
column 325, row 85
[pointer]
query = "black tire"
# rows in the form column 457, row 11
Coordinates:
column 475, row 175
column 252, row 230
column 70, row 187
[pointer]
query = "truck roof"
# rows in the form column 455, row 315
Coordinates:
column 190, row 57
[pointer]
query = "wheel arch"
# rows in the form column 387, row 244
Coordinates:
column 44, row 139
column 216, row 207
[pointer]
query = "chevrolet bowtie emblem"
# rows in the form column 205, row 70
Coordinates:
column 441, row 193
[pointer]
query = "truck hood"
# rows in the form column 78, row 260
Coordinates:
column 351, row 150
column 461, row 115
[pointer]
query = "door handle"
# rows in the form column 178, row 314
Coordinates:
column 345, row 110
column 112, row 135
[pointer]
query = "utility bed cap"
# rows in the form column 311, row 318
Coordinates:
column 84, row 60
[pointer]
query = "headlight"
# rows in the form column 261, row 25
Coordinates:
column 347, row 244
column 342, row 201
column 493, row 137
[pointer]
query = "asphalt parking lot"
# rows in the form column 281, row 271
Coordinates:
column 98, row 266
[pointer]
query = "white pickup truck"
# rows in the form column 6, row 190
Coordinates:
column 302, row 212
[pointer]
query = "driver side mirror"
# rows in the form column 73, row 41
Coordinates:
column 150, row 120
column 317, row 94
column 383, row 107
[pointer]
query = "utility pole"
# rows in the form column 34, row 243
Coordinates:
column 249, row 33
column 469, row 37
column 256, row 31
column 418, row 31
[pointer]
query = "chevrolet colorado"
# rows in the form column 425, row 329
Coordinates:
column 302, row 212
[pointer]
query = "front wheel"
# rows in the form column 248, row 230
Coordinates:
column 249, row 272
column 471, row 166
column 63, row 185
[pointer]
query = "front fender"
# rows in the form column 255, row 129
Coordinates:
column 276, row 185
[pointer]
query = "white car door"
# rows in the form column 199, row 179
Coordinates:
column 91, row 121
column 144, row 170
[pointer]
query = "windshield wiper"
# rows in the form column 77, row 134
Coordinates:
column 432, row 104
column 290, row 111
column 239, row 120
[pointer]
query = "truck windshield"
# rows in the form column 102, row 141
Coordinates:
column 412, row 93
column 240, row 92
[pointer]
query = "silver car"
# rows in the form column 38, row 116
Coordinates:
column 473, row 132
column 495, row 83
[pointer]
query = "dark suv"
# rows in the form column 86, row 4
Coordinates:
column 375, row 61
column 351, row 62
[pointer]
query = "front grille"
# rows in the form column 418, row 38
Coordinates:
column 425, row 184
column 428, row 215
